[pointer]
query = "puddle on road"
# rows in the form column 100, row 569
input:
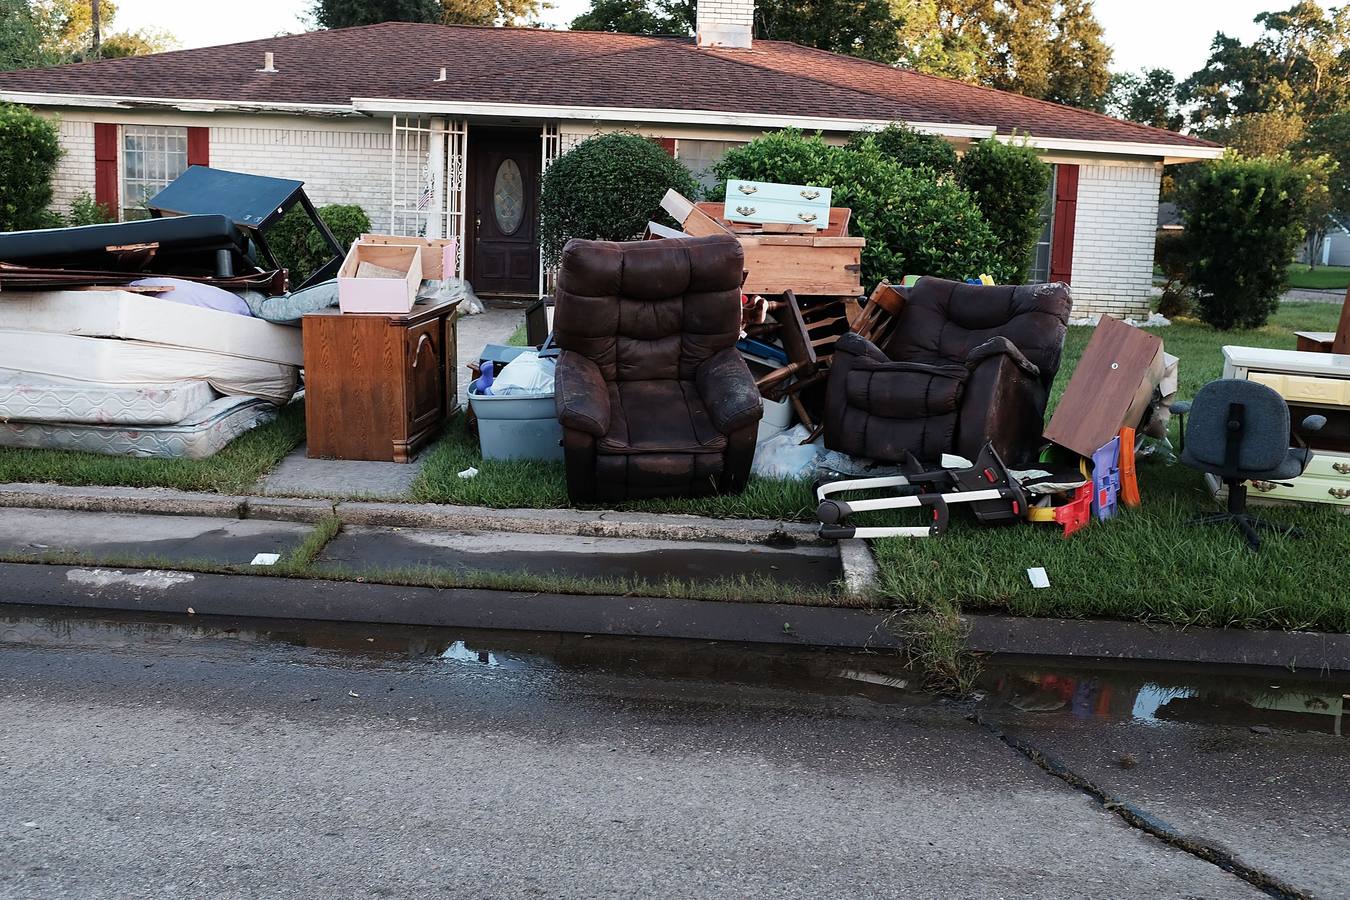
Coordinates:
column 1157, row 695
column 1248, row 698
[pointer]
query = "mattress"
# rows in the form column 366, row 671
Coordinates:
column 110, row 362
column 153, row 320
column 200, row 435
column 38, row 398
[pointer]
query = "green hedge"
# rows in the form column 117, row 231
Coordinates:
column 1008, row 183
column 29, row 152
column 914, row 222
column 606, row 188
column 911, row 149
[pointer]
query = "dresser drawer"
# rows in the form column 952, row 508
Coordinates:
column 1306, row 388
column 1332, row 467
column 790, row 204
column 1307, row 489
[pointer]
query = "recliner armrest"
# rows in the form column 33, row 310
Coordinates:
column 728, row 391
column 1001, row 346
column 580, row 394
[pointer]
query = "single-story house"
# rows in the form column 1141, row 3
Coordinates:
column 445, row 131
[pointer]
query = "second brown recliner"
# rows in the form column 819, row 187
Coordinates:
column 965, row 364
column 653, row 397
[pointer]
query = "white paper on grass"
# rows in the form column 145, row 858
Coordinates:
column 1038, row 577
column 266, row 559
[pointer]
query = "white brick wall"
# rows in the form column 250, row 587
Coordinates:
column 725, row 12
column 337, row 166
column 75, row 171
column 1113, row 239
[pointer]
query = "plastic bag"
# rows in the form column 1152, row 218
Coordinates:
column 784, row 455
column 526, row 374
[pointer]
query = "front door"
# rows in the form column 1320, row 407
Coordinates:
column 504, row 176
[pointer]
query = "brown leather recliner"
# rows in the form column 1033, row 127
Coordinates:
column 652, row 395
column 964, row 364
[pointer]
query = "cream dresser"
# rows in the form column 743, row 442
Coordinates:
column 1311, row 383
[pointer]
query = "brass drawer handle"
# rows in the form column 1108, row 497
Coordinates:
column 747, row 188
column 807, row 217
column 1263, row 486
column 1339, row 493
column 810, row 195
column 1343, row 468
column 746, row 210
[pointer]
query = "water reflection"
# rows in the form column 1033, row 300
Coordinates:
column 1134, row 695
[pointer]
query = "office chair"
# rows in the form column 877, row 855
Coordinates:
column 1239, row 431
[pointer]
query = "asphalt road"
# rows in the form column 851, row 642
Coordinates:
column 168, row 760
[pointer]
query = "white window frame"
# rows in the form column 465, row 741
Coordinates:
column 123, row 194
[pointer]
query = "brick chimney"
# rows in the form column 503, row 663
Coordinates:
column 725, row 23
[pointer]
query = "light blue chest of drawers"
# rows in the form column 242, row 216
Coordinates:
column 784, row 204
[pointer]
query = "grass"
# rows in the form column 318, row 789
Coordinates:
column 233, row 470
column 1322, row 278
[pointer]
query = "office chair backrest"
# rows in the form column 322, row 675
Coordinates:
column 1245, row 417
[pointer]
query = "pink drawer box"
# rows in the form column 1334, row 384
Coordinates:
column 378, row 278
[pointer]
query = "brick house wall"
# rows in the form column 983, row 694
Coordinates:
column 1113, row 238
column 339, row 161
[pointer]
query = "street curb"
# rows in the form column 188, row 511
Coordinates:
column 252, row 596
column 1100, row 639
column 582, row 523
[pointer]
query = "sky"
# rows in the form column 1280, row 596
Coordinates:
column 1134, row 28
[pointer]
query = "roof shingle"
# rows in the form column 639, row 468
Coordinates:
column 533, row 66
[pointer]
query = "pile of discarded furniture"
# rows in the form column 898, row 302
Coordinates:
column 172, row 335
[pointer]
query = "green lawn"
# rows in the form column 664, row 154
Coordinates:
column 1147, row 564
column 1319, row 279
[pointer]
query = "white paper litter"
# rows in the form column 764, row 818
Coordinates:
column 266, row 559
column 470, row 472
column 1038, row 577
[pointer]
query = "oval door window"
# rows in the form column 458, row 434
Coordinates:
column 508, row 197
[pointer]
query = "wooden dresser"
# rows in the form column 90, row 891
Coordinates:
column 378, row 386
column 1311, row 383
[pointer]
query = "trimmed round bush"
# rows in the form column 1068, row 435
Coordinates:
column 1008, row 183
column 606, row 188
column 29, row 151
column 915, row 223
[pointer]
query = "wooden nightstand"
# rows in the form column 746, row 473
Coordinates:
column 378, row 386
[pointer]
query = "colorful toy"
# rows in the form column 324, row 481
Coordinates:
column 1106, row 479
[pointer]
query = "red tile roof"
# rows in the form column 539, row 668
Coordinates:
column 540, row 67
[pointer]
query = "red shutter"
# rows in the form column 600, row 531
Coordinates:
column 105, row 166
column 1066, row 217
column 667, row 144
column 199, row 146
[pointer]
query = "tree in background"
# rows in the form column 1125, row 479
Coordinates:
column 1300, row 64
column 1148, row 97
column 637, row 17
column 29, row 151
column 21, row 37
column 69, row 33
column 349, row 13
column 1048, row 49
column 862, row 28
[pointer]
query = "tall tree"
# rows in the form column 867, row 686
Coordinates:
column 347, row 13
column 1048, row 49
column 21, row 37
column 1299, row 64
column 637, row 17
column 71, row 32
column 864, row 28
column 1148, row 97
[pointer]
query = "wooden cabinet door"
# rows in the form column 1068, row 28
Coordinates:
column 424, row 376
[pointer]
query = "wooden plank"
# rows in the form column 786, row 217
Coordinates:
column 1119, row 365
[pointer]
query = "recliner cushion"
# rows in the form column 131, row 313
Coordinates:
column 659, row 417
